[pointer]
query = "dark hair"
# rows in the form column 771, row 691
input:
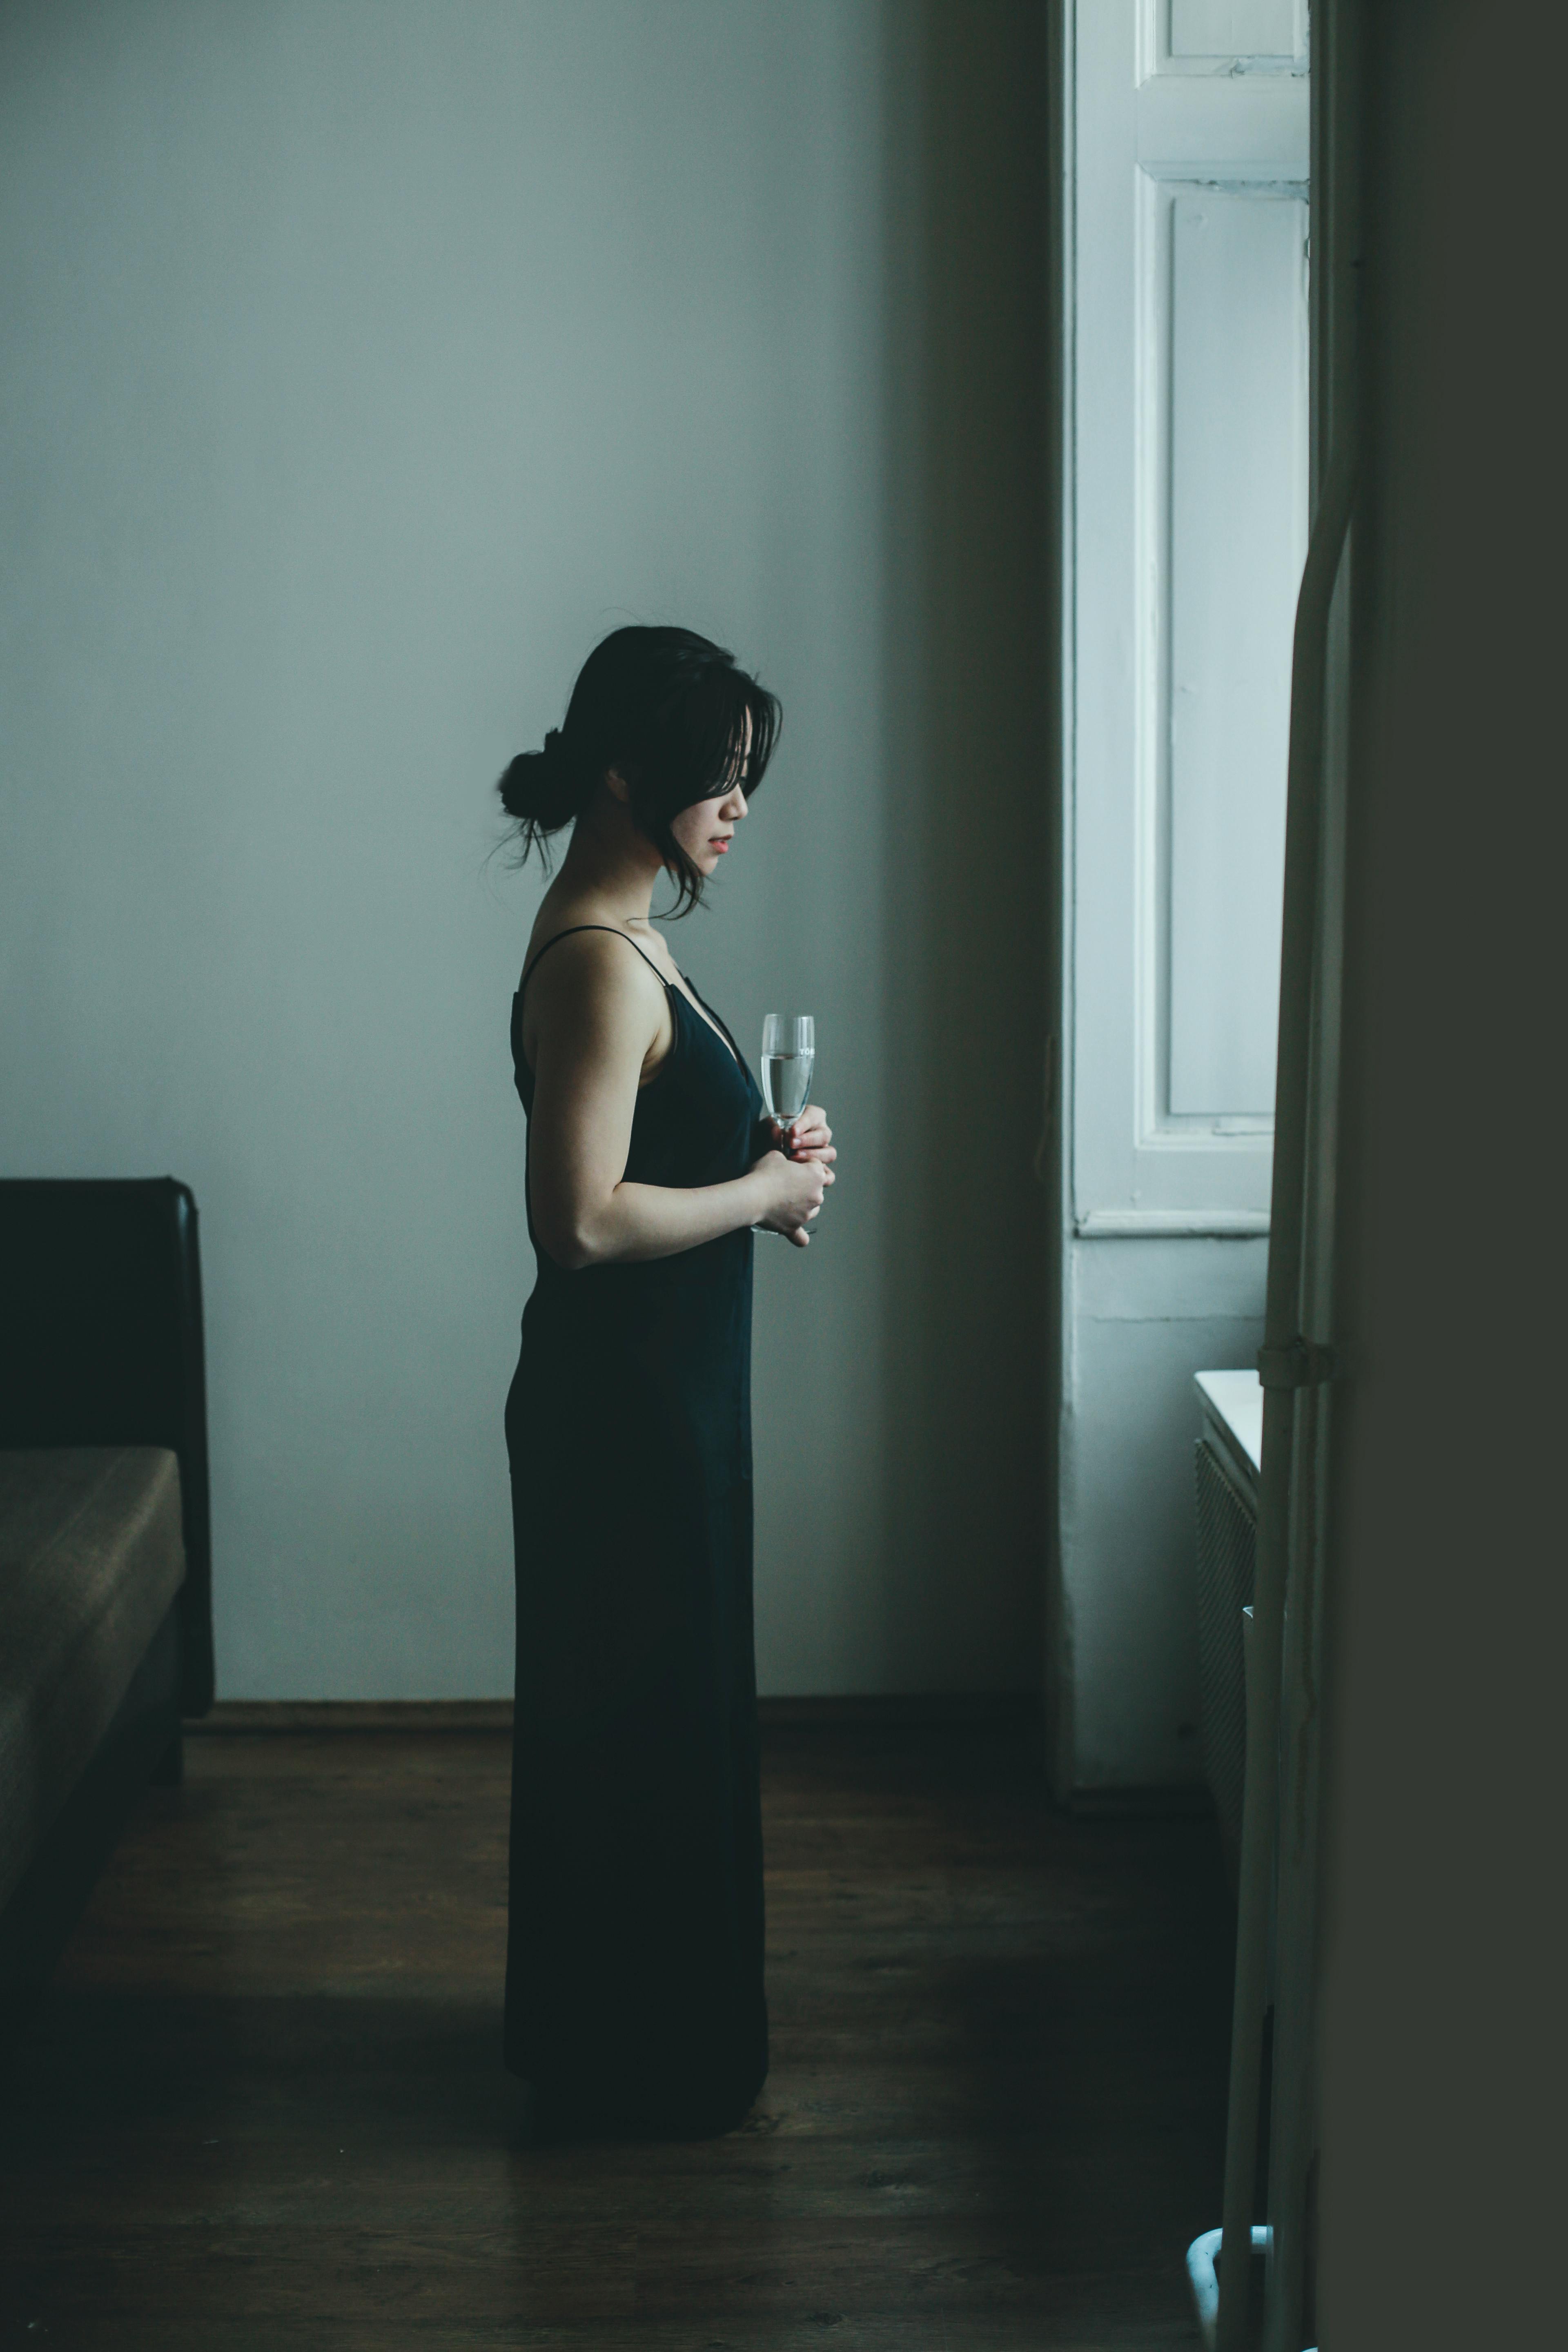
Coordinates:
column 666, row 709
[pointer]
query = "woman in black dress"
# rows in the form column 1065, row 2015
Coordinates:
column 634, row 1993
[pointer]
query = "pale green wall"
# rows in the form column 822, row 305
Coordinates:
column 364, row 362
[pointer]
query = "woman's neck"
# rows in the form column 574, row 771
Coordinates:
column 609, row 866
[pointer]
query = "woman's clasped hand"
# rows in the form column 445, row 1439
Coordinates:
column 796, row 1171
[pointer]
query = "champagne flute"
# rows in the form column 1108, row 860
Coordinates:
column 789, row 1051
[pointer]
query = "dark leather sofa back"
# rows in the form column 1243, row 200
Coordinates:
column 101, row 1344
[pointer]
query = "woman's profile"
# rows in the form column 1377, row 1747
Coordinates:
column 634, row 1989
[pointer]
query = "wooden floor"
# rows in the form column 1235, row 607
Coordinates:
column 263, row 2106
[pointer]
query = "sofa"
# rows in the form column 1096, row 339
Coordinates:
column 105, row 1542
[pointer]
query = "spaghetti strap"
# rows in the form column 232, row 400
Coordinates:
column 569, row 931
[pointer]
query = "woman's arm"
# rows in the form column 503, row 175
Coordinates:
column 598, row 1013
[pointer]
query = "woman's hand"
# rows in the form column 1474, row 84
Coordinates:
column 794, row 1190
column 811, row 1138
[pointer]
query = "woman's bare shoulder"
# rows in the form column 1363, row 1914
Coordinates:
column 587, row 965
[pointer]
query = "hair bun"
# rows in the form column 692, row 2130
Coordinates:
column 542, row 788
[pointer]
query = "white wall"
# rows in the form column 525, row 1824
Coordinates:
column 1143, row 1317
column 364, row 362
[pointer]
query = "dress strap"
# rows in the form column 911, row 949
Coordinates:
column 568, row 933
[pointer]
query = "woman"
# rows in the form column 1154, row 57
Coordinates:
column 634, row 1996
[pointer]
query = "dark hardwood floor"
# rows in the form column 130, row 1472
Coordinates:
column 263, row 2105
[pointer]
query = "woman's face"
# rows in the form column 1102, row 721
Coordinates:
column 705, row 828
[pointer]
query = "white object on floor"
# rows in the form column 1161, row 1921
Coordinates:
column 1204, row 2252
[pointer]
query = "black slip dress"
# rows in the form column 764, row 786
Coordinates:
column 634, row 1986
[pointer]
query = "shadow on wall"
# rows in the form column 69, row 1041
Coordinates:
column 970, row 847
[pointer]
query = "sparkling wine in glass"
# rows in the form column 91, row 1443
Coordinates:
column 789, row 1050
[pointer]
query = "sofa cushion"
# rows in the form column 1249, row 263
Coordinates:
column 90, row 1557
